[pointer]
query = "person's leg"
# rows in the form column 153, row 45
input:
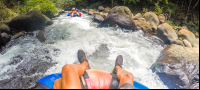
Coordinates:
column 126, row 78
column 57, row 84
column 71, row 73
column 72, row 15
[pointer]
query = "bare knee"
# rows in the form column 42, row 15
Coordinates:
column 67, row 67
column 130, row 76
column 127, row 81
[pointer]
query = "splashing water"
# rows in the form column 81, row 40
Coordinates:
column 101, row 45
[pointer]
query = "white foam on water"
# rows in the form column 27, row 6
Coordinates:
column 138, row 53
column 5, row 59
column 71, row 34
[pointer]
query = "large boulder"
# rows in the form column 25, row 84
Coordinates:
column 49, row 21
column 119, row 15
column 92, row 12
column 101, row 8
column 178, row 67
column 137, row 16
column 4, row 28
column 151, row 18
column 142, row 23
column 98, row 18
column 30, row 21
column 186, row 34
column 104, row 15
column 4, row 38
column 166, row 33
column 106, row 10
column 161, row 18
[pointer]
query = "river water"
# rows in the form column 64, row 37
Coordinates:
column 101, row 45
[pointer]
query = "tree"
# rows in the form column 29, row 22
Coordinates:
column 112, row 2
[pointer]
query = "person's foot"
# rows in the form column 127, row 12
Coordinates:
column 119, row 62
column 82, row 57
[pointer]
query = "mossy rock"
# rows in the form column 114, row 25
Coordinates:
column 30, row 21
column 49, row 21
column 4, row 28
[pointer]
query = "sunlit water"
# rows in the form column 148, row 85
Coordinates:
column 101, row 45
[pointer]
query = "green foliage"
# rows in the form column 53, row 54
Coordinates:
column 95, row 5
column 192, row 43
column 170, row 22
column 11, row 3
column 192, row 27
column 181, row 38
column 171, row 8
column 147, row 1
column 42, row 6
column 158, row 9
column 144, row 11
column 129, row 1
column 61, row 3
column 5, row 13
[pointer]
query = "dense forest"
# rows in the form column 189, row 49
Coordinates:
column 177, row 12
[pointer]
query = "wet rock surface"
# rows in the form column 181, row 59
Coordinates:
column 178, row 67
column 27, row 72
column 20, row 82
column 30, row 21
column 119, row 15
column 166, row 33
column 151, row 18
column 186, row 34
column 137, row 16
column 98, row 18
column 27, row 22
column 142, row 23
column 29, row 66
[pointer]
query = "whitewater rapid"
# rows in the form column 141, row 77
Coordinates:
column 101, row 45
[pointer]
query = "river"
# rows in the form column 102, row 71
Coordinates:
column 101, row 45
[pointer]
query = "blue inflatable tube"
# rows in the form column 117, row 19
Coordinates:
column 49, row 81
column 137, row 85
column 75, row 15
